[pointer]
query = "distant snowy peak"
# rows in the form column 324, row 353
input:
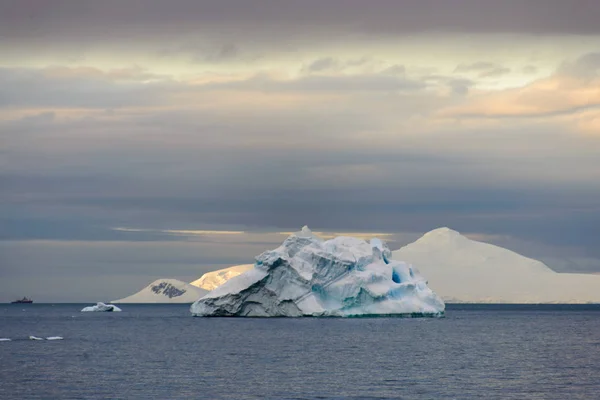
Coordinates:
column 441, row 236
column 214, row 279
column 460, row 269
column 450, row 248
column 165, row 291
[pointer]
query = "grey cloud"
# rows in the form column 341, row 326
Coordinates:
column 590, row 61
column 314, row 83
column 199, row 51
column 25, row 87
column 322, row 64
column 478, row 66
column 567, row 110
column 499, row 71
column 283, row 187
column 38, row 21
column 331, row 64
column 394, row 70
column 359, row 83
column 484, row 69
column 460, row 86
column 585, row 67
column 227, row 51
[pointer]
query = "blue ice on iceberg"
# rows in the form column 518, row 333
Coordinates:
column 307, row 276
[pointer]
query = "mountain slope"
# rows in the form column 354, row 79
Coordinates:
column 463, row 270
column 165, row 291
column 214, row 279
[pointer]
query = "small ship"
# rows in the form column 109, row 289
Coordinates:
column 24, row 300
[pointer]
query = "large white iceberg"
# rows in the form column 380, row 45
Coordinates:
column 307, row 276
column 101, row 307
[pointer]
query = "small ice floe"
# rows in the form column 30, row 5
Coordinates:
column 54, row 338
column 35, row 338
column 4, row 339
column 101, row 307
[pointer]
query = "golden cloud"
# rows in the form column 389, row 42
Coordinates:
column 570, row 99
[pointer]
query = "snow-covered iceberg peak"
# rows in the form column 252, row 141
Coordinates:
column 307, row 276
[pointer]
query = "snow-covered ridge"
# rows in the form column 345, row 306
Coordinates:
column 214, row 279
column 463, row 270
column 165, row 291
column 307, row 276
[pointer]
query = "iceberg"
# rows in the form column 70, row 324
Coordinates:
column 4, row 339
column 340, row 277
column 35, row 338
column 101, row 307
column 54, row 338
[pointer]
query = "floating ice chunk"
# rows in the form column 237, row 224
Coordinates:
column 101, row 307
column 54, row 338
column 307, row 276
column 4, row 339
column 35, row 338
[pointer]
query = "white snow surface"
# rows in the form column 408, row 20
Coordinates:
column 165, row 291
column 462, row 270
column 214, row 279
column 307, row 276
column 101, row 307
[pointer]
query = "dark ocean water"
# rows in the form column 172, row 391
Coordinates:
column 161, row 352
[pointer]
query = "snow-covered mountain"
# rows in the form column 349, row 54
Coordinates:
column 214, row 279
column 462, row 270
column 307, row 276
column 165, row 291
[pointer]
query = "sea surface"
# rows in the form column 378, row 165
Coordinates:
column 161, row 352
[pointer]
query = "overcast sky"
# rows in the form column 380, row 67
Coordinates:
column 123, row 123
